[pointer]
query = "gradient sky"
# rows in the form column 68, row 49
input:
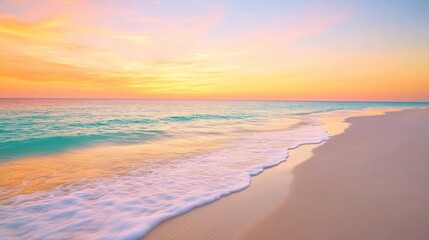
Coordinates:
column 203, row 49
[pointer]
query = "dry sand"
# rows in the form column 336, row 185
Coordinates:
column 371, row 182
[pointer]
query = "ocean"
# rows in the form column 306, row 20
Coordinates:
column 114, row 169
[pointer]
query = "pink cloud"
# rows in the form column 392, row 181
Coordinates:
column 283, row 31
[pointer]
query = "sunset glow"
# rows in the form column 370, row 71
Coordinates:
column 295, row 50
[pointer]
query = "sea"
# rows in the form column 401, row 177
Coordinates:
column 116, row 168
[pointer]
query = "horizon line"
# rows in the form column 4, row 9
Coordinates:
column 202, row 99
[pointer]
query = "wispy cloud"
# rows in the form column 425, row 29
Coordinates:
column 165, row 48
column 78, row 49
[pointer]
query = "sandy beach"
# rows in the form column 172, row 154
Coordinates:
column 224, row 120
column 366, row 183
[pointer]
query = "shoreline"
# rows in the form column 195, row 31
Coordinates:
column 230, row 215
column 368, row 183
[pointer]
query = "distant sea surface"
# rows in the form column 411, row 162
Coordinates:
column 114, row 169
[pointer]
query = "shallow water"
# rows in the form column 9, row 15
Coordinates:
column 113, row 169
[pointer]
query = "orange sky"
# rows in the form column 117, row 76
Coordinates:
column 215, row 49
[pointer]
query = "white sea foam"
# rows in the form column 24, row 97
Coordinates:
column 128, row 206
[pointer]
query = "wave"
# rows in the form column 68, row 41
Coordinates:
column 204, row 117
column 38, row 134
column 53, row 144
column 128, row 206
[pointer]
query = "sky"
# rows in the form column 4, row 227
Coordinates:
column 367, row 50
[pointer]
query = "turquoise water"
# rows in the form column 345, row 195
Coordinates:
column 115, row 169
column 41, row 126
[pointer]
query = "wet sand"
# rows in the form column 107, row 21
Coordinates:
column 230, row 216
column 371, row 182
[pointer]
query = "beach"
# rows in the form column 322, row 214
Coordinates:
column 224, row 120
column 213, row 170
column 369, row 182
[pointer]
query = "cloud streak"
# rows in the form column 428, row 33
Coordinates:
column 163, row 49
